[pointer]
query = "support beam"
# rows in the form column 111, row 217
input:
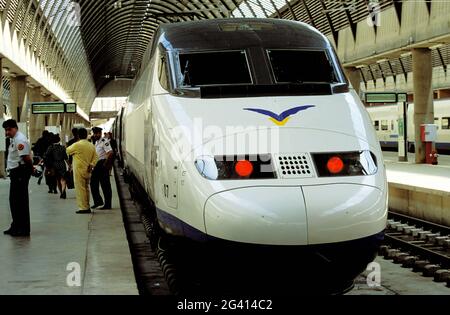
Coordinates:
column 354, row 76
column 67, row 126
column 18, row 92
column 37, row 122
column 52, row 120
column 423, row 96
column 63, row 128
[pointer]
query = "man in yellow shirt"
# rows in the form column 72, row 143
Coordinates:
column 84, row 160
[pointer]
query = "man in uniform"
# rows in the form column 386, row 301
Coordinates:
column 84, row 159
column 100, row 175
column 20, row 167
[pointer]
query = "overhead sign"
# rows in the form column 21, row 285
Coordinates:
column 403, row 97
column 71, row 108
column 48, row 108
column 381, row 97
column 54, row 108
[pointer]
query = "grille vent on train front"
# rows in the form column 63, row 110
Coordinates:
column 294, row 165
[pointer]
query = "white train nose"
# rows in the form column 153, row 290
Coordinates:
column 296, row 215
column 258, row 215
column 342, row 212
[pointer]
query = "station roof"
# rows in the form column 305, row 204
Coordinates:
column 112, row 36
column 116, row 33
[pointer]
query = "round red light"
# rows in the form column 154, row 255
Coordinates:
column 335, row 165
column 244, row 168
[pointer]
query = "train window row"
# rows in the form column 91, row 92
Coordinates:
column 384, row 124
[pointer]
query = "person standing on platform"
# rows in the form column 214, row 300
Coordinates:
column 100, row 175
column 84, row 160
column 113, row 142
column 75, row 137
column 20, row 167
column 40, row 147
column 56, row 153
column 49, row 173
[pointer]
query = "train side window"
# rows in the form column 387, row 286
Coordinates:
column 445, row 123
column 436, row 122
column 384, row 125
column 163, row 74
column 377, row 125
column 392, row 125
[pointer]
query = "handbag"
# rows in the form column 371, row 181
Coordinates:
column 69, row 179
column 50, row 172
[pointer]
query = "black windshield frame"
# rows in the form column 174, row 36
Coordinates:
column 263, row 82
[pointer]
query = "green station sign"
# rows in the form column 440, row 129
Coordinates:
column 53, row 108
column 71, row 108
column 48, row 108
column 386, row 97
column 403, row 97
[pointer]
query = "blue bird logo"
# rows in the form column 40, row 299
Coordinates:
column 284, row 117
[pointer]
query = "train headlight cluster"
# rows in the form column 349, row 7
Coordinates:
column 236, row 167
column 356, row 163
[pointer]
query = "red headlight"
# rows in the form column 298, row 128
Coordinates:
column 244, row 168
column 335, row 165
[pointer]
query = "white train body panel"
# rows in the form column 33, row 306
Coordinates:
column 278, row 211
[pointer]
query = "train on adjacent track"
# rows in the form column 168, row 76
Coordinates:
column 246, row 132
column 385, row 121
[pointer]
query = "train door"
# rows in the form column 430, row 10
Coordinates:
column 151, row 138
column 161, row 168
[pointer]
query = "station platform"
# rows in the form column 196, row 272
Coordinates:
column 419, row 190
column 61, row 240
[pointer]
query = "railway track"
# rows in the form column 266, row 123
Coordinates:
column 421, row 245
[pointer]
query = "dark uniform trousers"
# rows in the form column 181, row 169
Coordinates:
column 18, row 199
column 100, row 175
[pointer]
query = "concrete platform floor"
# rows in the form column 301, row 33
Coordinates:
column 95, row 242
column 431, row 177
column 396, row 280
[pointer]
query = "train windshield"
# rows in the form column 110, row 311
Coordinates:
column 214, row 68
column 302, row 66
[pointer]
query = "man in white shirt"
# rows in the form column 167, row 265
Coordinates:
column 100, row 174
column 20, row 168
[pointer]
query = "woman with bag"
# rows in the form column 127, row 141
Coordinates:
column 56, row 153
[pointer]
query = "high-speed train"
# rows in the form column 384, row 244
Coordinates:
column 386, row 125
column 244, row 131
